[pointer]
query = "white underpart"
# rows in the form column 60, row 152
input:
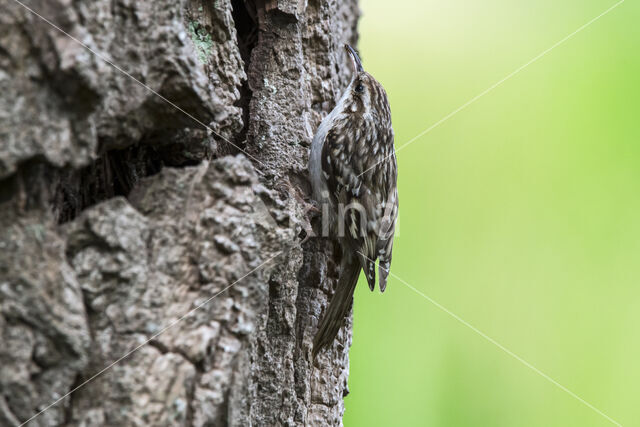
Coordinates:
column 318, row 182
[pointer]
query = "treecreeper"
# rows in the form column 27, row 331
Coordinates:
column 353, row 174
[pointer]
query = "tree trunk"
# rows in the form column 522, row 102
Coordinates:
column 152, row 208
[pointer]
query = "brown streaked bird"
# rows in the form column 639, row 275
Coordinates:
column 354, row 174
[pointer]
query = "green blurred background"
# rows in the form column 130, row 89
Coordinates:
column 520, row 214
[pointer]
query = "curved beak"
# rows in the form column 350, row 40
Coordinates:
column 355, row 59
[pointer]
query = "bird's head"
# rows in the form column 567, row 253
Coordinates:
column 367, row 97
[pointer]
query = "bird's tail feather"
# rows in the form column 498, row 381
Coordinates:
column 338, row 307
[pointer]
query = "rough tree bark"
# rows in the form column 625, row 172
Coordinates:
column 120, row 213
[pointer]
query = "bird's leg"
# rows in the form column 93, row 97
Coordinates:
column 310, row 211
column 311, row 206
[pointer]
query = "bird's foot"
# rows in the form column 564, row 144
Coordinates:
column 309, row 212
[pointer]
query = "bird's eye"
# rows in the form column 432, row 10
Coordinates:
column 359, row 88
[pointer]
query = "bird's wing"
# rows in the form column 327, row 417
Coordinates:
column 362, row 198
column 385, row 175
column 389, row 216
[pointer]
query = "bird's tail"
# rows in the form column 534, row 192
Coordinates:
column 338, row 307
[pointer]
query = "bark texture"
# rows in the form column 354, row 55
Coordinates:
column 120, row 212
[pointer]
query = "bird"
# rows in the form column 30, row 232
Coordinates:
column 353, row 173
